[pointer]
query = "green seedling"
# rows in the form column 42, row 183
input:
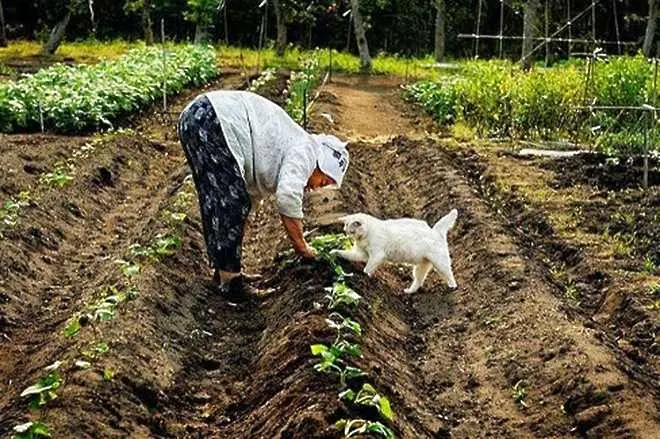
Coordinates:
column 128, row 268
column 369, row 396
column 162, row 246
column 44, row 390
column 340, row 294
column 108, row 374
column 341, row 324
column 10, row 209
column 325, row 244
column 649, row 266
column 30, row 430
column 101, row 348
column 519, row 394
column 571, row 292
column 60, row 177
column 355, row 427
column 72, row 327
column 331, row 360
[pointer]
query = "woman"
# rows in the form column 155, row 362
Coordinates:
column 242, row 147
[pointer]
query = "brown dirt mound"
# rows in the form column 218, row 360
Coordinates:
column 503, row 356
column 600, row 171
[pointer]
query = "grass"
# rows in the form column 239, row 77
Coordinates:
column 86, row 52
column 249, row 59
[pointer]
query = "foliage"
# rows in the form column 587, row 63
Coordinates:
column 44, row 390
column 355, row 427
column 72, row 99
column 30, row 430
column 10, row 210
column 499, row 99
column 203, row 11
column 300, row 84
column 369, row 396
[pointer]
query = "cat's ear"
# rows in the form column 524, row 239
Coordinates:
column 342, row 219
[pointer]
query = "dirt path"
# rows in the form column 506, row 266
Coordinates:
column 187, row 364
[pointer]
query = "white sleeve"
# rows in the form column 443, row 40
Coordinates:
column 296, row 169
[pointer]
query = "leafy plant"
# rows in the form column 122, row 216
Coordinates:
column 369, row 396
column 355, row 427
column 72, row 327
column 341, row 294
column 340, row 324
column 300, row 84
column 44, row 390
column 108, row 374
column 59, row 177
column 10, row 209
column 82, row 97
column 30, row 430
column 519, row 394
column 331, row 360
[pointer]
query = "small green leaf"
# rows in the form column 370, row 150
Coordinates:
column 319, row 349
column 101, row 348
column 385, row 408
column 108, row 374
column 72, row 327
column 347, row 394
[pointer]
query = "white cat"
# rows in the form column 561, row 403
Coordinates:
column 403, row 240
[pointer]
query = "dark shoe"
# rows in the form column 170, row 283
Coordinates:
column 237, row 290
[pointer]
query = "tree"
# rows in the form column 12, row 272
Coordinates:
column 202, row 13
column 530, row 24
column 57, row 33
column 360, row 36
column 3, row 32
column 651, row 25
column 281, row 27
column 145, row 7
column 440, row 25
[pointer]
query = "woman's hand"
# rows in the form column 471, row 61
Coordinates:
column 294, row 229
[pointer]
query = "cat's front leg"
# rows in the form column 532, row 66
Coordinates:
column 375, row 260
column 355, row 254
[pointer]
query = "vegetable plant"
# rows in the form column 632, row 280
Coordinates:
column 84, row 97
column 369, row 396
column 341, row 294
column 30, row 430
column 355, row 427
column 44, row 390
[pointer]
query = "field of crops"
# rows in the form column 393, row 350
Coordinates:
column 110, row 326
column 81, row 98
column 498, row 99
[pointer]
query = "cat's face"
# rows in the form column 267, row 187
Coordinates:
column 355, row 226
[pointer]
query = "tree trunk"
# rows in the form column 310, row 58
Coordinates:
column 56, row 36
column 3, row 32
column 440, row 22
column 201, row 33
column 531, row 9
column 281, row 28
column 650, row 28
column 146, row 23
column 360, row 36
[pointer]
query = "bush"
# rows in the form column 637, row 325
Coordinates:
column 78, row 98
column 499, row 99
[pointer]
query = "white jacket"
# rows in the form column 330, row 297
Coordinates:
column 274, row 153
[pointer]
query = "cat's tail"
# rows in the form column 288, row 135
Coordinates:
column 446, row 223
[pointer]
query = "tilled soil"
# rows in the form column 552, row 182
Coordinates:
column 187, row 363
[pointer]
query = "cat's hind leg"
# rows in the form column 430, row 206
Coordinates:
column 420, row 271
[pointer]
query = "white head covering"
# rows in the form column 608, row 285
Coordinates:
column 333, row 156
